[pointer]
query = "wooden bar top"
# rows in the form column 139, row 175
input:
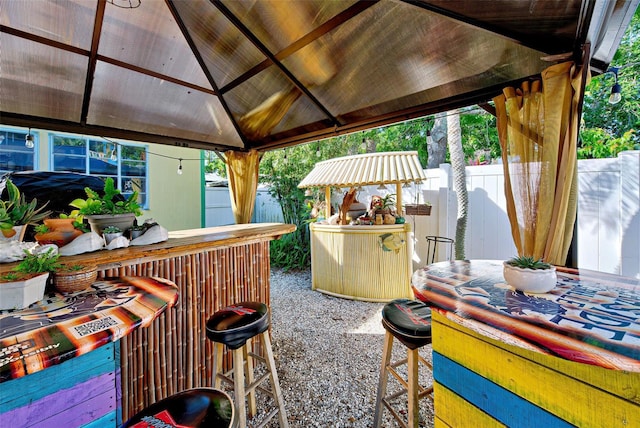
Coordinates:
column 179, row 243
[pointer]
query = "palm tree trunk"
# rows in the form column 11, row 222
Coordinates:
column 459, row 179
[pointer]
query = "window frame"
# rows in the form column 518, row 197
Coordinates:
column 119, row 176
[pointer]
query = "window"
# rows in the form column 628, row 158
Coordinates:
column 14, row 154
column 125, row 163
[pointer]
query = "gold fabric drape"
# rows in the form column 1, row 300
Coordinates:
column 242, row 170
column 538, row 132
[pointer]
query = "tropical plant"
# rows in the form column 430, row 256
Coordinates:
column 16, row 211
column 107, row 203
column 528, row 262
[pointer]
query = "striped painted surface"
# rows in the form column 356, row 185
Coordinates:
column 493, row 376
column 79, row 392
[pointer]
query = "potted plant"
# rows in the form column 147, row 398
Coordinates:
column 26, row 283
column 60, row 231
column 137, row 230
column 525, row 273
column 110, row 233
column 71, row 278
column 110, row 208
column 16, row 213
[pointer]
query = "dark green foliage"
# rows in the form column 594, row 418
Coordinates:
column 528, row 262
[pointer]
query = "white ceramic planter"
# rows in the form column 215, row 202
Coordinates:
column 530, row 280
column 20, row 294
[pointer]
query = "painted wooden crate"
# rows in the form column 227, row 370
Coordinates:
column 80, row 392
column 484, row 382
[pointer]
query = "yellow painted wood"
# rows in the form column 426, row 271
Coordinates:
column 458, row 412
column 584, row 395
column 347, row 261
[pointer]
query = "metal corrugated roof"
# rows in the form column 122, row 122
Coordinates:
column 366, row 169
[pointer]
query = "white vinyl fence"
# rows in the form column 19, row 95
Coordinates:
column 608, row 226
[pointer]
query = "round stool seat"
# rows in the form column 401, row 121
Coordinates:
column 235, row 324
column 409, row 321
column 198, row 407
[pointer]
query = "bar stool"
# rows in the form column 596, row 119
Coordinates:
column 234, row 326
column 197, row 407
column 409, row 321
column 435, row 240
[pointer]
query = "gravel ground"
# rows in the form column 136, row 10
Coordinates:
column 328, row 353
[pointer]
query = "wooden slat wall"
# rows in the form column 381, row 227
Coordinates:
column 174, row 353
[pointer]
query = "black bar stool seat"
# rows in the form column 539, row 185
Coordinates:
column 409, row 321
column 197, row 407
column 233, row 325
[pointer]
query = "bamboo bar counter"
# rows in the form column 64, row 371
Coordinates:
column 569, row 357
column 350, row 262
column 212, row 268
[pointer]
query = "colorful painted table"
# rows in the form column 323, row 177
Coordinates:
column 570, row 357
column 74, row 337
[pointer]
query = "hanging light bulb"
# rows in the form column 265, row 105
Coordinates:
column 285, row 160
column 616, row 89
column 179, row 171
column 364, row 144
column 114, row 154
column 616, row 94
column 381, row 187
column 406, row 185
column 28, row 141
column 318, row 154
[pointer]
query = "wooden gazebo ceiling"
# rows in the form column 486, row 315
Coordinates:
column 264, row 74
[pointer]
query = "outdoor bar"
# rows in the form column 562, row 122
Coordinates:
column 569, row 357
column 212, row 268
column 363, row 262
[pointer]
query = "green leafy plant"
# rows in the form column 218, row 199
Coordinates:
column 528, row 262
column 106, row 203
column 39, row 263
column 41, row 228
column 111, row 229
column 16, row 211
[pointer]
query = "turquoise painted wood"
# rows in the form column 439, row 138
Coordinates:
column 80, row 392
column 499, row 403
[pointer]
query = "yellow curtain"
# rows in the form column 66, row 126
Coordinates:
column 538, row 132
column 242, row 170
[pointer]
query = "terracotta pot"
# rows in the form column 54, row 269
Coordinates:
column 16, row 233
column 61, row 232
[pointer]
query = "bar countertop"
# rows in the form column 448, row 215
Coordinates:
column 180, row 242
column 589, row 317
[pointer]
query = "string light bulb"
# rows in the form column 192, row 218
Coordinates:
column 318, row 154
column 179, row 171
column 114, row 154
column 28, row 141
column 616, row 89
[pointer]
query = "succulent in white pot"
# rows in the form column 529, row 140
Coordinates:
column 525, row 273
